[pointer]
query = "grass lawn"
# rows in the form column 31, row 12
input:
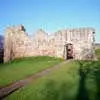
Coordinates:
column 21, row 68
column 74, row 80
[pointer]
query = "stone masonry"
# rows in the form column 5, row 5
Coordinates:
column 68, row 43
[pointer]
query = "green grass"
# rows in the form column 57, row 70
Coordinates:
column 74, row 80
column 24, row 67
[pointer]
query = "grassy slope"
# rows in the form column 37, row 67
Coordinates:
column 21, row 68
column 58, row 85
column 72, row 81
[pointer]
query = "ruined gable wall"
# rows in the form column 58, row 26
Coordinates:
column 18, row 44
column 83, row 43
column 82, row 40
column 60, row 40
column 7, row 44
column 44, row 44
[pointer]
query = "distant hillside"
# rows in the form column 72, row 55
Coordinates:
column 97, row 45
column 1, row 41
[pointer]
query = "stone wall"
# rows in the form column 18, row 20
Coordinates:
column 1, row 48
column 18, row 44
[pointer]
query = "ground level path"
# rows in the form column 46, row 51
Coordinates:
column 5, row 91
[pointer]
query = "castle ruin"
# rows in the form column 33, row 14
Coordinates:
column 67, row 44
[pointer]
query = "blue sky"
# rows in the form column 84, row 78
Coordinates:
column 50, row 15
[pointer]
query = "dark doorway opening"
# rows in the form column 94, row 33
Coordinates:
column 69, row 50
column 1, row 55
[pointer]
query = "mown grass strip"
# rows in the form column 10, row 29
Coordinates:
column 21, row 68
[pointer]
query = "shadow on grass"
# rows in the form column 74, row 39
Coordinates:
column 92, row 69
column 97, row 79
column 82, row 91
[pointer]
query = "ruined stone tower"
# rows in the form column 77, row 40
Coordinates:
column 68, row 43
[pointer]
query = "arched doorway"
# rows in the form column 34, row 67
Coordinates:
column 69, row 51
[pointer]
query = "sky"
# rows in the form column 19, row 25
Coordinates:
column 50, row 15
